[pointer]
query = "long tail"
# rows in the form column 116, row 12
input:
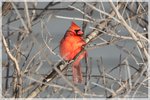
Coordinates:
column 77, row 73
column 76, row 69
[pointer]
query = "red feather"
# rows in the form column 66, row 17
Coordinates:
column 70, row 45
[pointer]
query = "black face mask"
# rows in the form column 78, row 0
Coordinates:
column 77, row 32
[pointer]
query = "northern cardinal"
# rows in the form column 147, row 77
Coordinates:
column 70, row 45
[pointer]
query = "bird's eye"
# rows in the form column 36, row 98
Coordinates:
column 77, row 31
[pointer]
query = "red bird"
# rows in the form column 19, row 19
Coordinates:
column 70, row 45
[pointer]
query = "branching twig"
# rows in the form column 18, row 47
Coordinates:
column 16, row 67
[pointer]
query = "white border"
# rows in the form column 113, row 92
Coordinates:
column 148, row 50
column 75, row 0
column 1, row 50
column 71, row 1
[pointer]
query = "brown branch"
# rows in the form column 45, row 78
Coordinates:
column 46, row 9
column 19, row 88
column 6, row 8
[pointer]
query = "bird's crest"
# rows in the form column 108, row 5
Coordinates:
column 74, row 26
